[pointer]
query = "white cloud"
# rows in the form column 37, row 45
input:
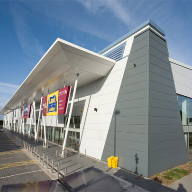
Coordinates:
column 6, row 92
column 29, row 43
column 114, row 6
column 7, row 88
column 9, row 85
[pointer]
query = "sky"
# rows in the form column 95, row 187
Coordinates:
column 29, row 28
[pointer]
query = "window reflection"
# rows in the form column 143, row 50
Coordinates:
column 190, row 111
column 183, row 107
column 74, row 122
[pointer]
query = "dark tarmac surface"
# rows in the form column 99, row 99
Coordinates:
column 75, row 163
column 16, row 166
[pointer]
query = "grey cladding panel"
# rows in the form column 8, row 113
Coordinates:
column 162, row 96
column 158, row 54
column 141, row 44
column 136, row 70
column 157, row 137
column 133, row 164
column 159, row 70
column 133, row 95
column 156, row 155
column 140, row 37
column 163, row 145
column 137, row 146
column 158, row 39
column 134, row 79
column 166, row 139
column 132, row 104
column 138, row 61
column 154, row 120
column 130, row 119
column 162, row 78
column 161, row 88
column 166, row 163
column 163, row 112
column 156, row 45
column 129, row 129
column 164, row 105
column 141, row 52
column 131, row 153
column 158, row 62
column 134, row 87
column 159, row 129
column 142, row 111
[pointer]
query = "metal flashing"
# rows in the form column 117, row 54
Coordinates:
column 148, row 22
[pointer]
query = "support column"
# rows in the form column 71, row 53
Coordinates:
column 34, row 111
column 39, row 118
column 45, row 137
column 23, row 121
column 31, row 115
column 20, row 123
column 70, row 112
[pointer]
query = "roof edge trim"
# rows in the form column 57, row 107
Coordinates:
column 148, row 22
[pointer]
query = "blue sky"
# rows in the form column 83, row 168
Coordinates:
column 28, row 29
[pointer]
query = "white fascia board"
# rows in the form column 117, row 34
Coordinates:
column 56, row 47
column 180, row 63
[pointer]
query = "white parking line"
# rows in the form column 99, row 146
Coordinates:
column 20, row 174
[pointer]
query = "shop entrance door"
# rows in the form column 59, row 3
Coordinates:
column 74, row 132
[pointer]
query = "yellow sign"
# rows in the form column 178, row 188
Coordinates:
column 52, row 103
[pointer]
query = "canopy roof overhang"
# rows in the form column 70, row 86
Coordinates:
column 60, row 65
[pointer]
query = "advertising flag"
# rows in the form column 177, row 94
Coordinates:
column 63, row 100
column 52, row 103
column 44, row 102
column 26, row 111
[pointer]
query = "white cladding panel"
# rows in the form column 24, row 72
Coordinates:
column 183, row 79
column 102, row 95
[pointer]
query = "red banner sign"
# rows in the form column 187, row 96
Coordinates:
column 63, row 100
column 44, row 103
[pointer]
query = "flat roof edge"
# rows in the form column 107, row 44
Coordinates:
column 180, row 63
column 148, row 22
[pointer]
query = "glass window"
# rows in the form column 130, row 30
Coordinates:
column 190, row 111
column 74, row 122
column 183, row 107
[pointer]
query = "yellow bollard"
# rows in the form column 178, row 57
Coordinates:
column 115, row 162
column 110, row 161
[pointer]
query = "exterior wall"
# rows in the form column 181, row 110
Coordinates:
column 182, row 78
column 146, row 132
column 101, row 94
column 166, row 142
column 128, row 134
column 137, row 117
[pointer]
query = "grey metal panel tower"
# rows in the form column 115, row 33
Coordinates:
column 146, row 132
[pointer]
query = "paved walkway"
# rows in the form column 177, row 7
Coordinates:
column 16, row 166
column 74, row 163
column 183, row 185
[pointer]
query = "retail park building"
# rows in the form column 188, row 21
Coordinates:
column 130, row 100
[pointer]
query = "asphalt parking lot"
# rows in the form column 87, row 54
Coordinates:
column 16, row 166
